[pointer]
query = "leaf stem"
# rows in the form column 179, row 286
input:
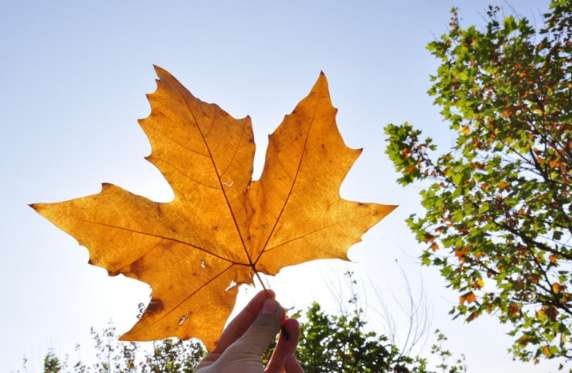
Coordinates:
column 283, row 330
column 260, row 279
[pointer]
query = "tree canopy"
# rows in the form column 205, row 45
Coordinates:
column 497, row 219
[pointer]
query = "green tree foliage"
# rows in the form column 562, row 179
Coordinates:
column 112, row 356
column 328, row 343
column 332, row 343
column 498, row 203
column 341, row 343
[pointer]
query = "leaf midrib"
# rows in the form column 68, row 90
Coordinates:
column 216, row 171
column 295, row 176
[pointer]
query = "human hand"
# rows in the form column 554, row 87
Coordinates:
column 245, row 339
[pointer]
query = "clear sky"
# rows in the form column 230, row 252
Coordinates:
column 73, row 79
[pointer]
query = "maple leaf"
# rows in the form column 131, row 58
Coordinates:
column 222, row 228
column 469, row 297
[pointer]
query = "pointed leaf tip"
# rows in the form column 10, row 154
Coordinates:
column 160, row 71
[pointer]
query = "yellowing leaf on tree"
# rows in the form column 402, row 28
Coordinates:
column 472, row 316
column 513, row 309
column 553, row 258
column 554, row 163
column 469, row 297
column 222, row 228
column 523, row 341
column 551, row 312
column 434, row 246
column 509, row 112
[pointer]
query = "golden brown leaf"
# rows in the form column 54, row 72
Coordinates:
column 523, row 341
column 434, row 246
column 469, row 297
column 222, row 227
column 554, row 258
column 550, row 312
column 472, row 316
column 513, row 309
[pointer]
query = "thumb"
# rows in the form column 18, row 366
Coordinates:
column 264, row 329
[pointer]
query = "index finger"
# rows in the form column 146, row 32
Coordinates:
column 240, row 324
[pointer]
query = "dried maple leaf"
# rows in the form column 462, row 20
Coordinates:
column 469, row 297
column 222, row 227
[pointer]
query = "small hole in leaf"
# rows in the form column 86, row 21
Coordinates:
column 183, row 318
column 214, row 228
column 203, row 264
column 232, row 284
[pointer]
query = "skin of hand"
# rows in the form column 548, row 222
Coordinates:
column 245, row 339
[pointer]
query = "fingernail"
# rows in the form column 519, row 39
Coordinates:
column 270, row 307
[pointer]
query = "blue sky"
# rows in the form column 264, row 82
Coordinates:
column 73, row 81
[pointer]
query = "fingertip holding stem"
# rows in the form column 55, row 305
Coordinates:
column 271, row 307
column 284, row 333
column 283, row 330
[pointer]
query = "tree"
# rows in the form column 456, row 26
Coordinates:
column 497, row 218
column 343, row 343
column 328, row 343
